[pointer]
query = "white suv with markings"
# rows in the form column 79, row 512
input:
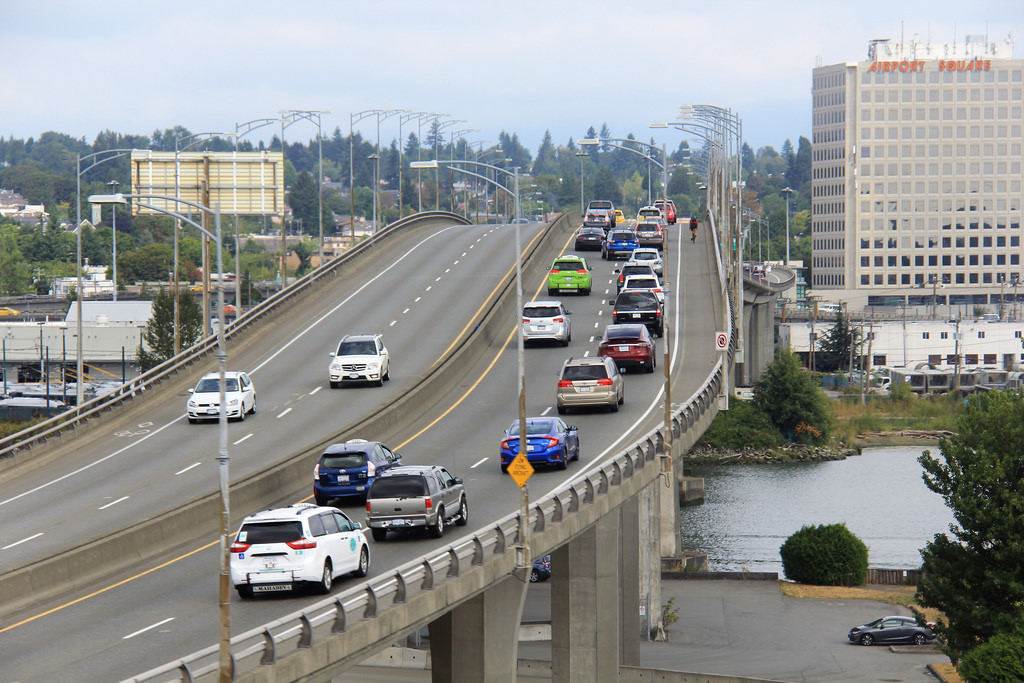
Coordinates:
column 282, row 549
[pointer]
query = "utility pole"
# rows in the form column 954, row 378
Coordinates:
column 956, row 372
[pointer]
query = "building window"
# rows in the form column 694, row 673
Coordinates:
column 925, row 335
column 943, row 335
column 981, row 334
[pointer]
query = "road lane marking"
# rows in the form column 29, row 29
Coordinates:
column 312, row 393
column 405, row 311
column 113, row 503
column 284, row 412
column 190, row 467
column 24, row 540
column 148, row 628
column 392, row 323
column 244, row 438
column 417, row 299
column 546, row 411
column 479, row 462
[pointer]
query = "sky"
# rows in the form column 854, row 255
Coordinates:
column 525, row 67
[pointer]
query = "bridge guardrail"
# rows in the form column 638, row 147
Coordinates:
column 570, row 508
column 72, row 418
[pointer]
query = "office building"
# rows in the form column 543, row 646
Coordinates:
column 917, row 175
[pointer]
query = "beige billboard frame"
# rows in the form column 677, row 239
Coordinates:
column 243, row 183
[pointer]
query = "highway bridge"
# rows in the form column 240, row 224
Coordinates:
column 109, row 550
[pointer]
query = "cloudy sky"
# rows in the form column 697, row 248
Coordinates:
column 526, row 66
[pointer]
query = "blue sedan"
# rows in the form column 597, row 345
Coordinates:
column 550, row 441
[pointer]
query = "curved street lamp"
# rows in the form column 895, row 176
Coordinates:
column 222, row 451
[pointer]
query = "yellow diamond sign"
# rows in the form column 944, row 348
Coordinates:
column 520, row 469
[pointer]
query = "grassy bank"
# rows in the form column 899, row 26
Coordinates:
column 883, row 415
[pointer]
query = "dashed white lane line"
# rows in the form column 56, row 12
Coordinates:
column 456, row 262
column 417, row 299
column 190, row 467
column 284, row 412
column 113, row 503
column 479, row 462
column 315, row 390
column 593, row 338
column 546, row 411
column 244, row 438
column 392, row 323
column 405, row 311
column 437, row 279
column 148, row 628
column 447, row 270
column 428, row 288
column 24, row 540
column 586, row 354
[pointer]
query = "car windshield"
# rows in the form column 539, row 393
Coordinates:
column 270, row 532
column 211, row 385
column 357, row 348
column 577, row 372
column 398, row 487
column 567, row 265
column 343, row 461
column 540, row 311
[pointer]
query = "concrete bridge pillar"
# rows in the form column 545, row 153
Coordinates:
column 586, row 624
column 478, row 641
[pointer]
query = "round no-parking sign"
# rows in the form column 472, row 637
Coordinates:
column 721, row 341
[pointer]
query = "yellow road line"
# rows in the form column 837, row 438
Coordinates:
column 213, row 543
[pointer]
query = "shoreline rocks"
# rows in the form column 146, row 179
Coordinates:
column 788, row 453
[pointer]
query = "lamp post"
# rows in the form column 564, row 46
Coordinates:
column 581, row 154
column 376, row 185
column 352, row 120
column 787, row 191
column 409, row 116
column 225, row 667
column 113, row 184
column 249, row 127
column 663, row 164
column 97, row 159
column 439, row 126
column 309, row 115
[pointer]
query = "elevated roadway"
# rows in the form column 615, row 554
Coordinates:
column 422, row 291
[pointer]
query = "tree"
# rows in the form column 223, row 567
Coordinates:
column 14, row 270
column 789, row 396
column 825, row 555
column 606, row 187
column 158, row 339
column 835, row 347
column 999, row 659
column 305, row 202
column 976, row 578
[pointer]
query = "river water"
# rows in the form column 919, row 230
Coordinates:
column 750, row 510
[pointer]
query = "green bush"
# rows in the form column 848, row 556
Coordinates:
column 1000, row 659
column 742, row 426
column 825, row 555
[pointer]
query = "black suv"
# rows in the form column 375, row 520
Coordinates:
column 639, row 306
column 348, row 469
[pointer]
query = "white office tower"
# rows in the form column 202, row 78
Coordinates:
column 917, row 175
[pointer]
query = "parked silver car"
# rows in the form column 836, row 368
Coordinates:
column 415, row 496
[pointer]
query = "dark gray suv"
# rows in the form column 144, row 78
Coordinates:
column 415, row 496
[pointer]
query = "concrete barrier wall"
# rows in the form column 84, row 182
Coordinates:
column 80, row 567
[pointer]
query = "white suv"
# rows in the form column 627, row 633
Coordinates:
column 360, row 358
column 647, row 256
column 281, row 549
column 546, row 320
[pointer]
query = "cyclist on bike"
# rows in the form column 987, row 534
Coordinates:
column 693, row 228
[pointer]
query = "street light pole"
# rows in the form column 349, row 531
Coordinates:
column 113, row 184
column 787, row 191
column 226, row 673
column 581, row 154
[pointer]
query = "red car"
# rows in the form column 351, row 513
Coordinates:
column 629, row 344
column 668, row 208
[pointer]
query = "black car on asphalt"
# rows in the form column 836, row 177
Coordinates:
column 589, row 238
column 639, row 306
column 892, row 630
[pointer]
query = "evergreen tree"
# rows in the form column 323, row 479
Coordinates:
column 835, row 347
column 792, row 399
column 305, row 202
column 976, row 577
column 606, row 187
column 158, row 339
column 14, row 270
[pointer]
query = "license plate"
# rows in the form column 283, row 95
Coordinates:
column 623, row 348
column 532, row 448
column 398, row 522
column 586, row 389
column 636, row 315
column 270, row 587
column 213, row 411
column 354, row 375
column 542, row 327
column 342, row 477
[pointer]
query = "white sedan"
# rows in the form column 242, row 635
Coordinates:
column 204, row 401
column 647, row 256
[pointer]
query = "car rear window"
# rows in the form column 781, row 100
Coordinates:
column 629, row 270
column 540, row 311
column 398, row 487
column 600, row 205
column 642, row 282
column 532, row 428
column 636, row 299
column 625, row 235
column 343, row 461
column 567, row 265
column 577, row 372
column 270, row 532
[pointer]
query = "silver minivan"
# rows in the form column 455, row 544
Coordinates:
column 589, row 382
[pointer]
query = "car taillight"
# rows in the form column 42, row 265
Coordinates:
column 564, row 383
column 371, row 469
column 558, row 320
column 614, row 313
column 581, row 272
column 526, row 320
column 604, row 382
column 237, row 547
column 552, row 442
column 302, row 544
column 428, row 503
column 507, row 443
column 368, row 506
column 553, row 272
column 316, row 471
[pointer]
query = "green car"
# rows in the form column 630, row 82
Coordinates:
column 569, row 273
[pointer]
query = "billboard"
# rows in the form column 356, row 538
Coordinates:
column 245, row 183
